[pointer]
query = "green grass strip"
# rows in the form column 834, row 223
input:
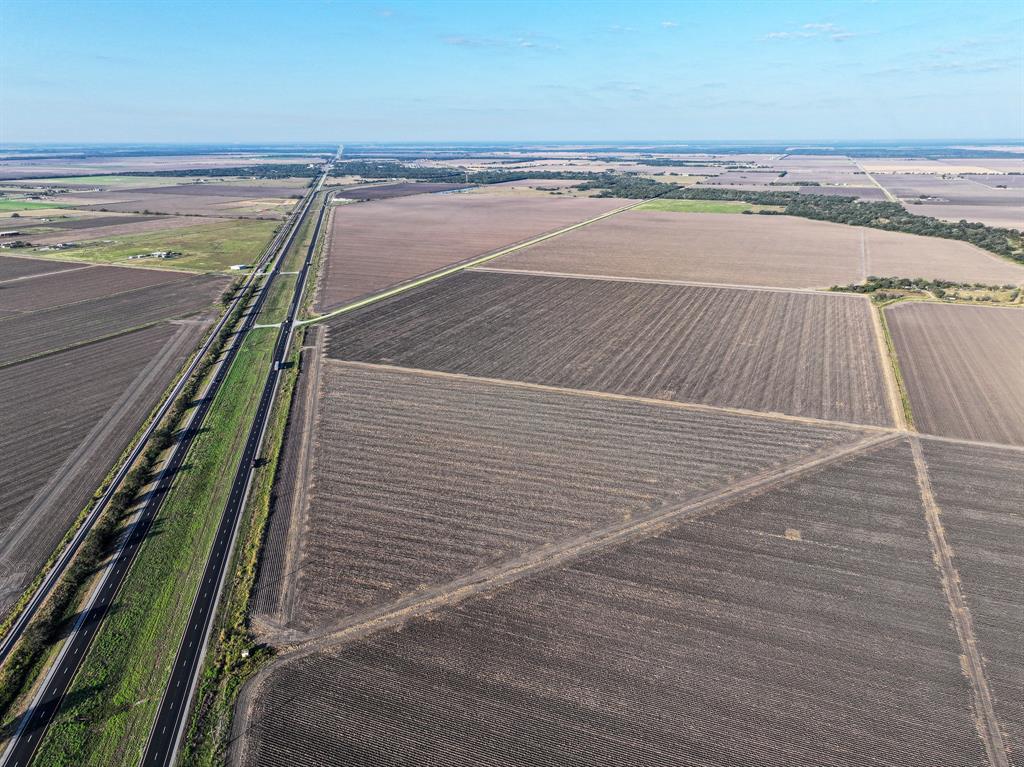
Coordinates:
column 106, row 717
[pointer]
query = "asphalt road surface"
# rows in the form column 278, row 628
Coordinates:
column 47, row 702
column 169, row 726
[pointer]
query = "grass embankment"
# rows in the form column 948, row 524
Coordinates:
column 235, row 655
column 705, row 206
column 111, row 703
column 204, row 248
column 894, row 361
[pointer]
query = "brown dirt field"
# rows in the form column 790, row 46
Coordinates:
column 387, row 191
column 69, row 287
column 372, row 246
column 235, row 190
column 100, row 231
column 73, row 224
column 46, row 330
column 289, row 497
column 778, row 251
column 14, row 268
column 963, row 367
column 419, row 480
column 979, row 493
column 719, row 642
column 803, row 354
column 66, row 418
column 1006, row 216
column 198, row 205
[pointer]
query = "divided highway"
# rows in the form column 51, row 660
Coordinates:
column 171, row 719
column 55, row 684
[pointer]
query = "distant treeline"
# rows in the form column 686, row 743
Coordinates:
column 380, row 169
column 285, row 170
column 890, row 216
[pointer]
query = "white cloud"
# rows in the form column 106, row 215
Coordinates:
column 813, row 29
column 669, row 24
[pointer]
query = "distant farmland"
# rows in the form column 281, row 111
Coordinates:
column 797, row 353
column 66, row 418
column 779, row 251
column 804, row 626
column 419, row 480
column 371, row 246
column 963, row 369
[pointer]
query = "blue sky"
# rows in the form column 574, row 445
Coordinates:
column 392, row 71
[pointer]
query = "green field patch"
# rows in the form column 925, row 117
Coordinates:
column 111, row 704
column 9, row 205
column 705, row 206
column 204, row 248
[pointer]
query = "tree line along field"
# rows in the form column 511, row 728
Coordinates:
column 778, row 251
column 982, row 501
column 418, row 480
column 962, row 368
column 805, row 625
column 66, row 418
column 371, row 246
column 803, row 354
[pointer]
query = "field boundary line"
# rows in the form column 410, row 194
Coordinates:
column 70, row 470
column 89, row 342
column 899, row 398
column 461, row 267
column 25, row 277
column 656, row 281
column 942, row 552
column 105, row 297
column 364, row 623
column 694, row 406
column 970, row 442
column 888, row 195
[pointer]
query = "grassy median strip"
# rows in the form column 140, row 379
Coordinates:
column 278, row 299
column 107, row 715
column 235, row 655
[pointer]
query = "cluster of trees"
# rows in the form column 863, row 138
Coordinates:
column 877, row 287
column 284, row 170
column 890, row 216
column 380, row 169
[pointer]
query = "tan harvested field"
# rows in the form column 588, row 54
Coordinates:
column 374, row 245
column 65, row 419
column 805, row 626
column 777, row 251
column 982, row 500
column 33, row 333
column 1006, row 216
column 804, row 354
column 963, row 367
column 71, row 287
column 101, row 231
column 15, row 268
column 15, row 168
column 191, row 205
column 419, row 480
column 387, row 191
